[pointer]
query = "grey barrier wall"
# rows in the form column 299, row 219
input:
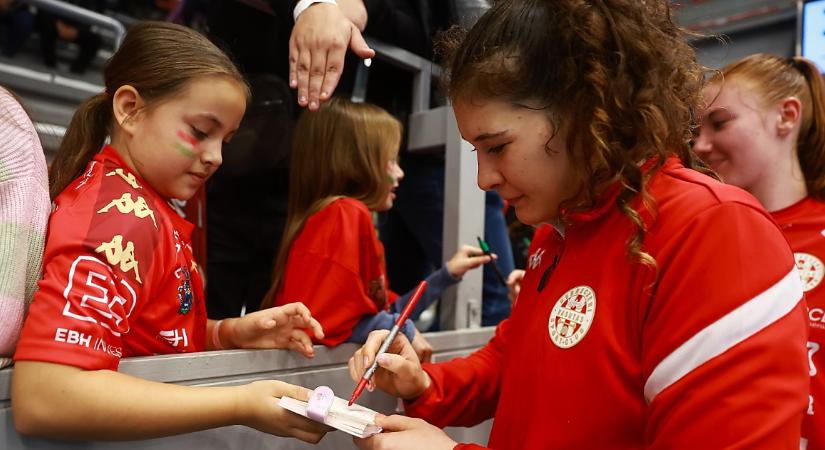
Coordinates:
column 233, row 367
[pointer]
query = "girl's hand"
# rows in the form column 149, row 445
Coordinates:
column 422, row 348
column 258, row 408
column 466, row 258
column 402, row 433
column 277, row 327
column 514, row 285
column 399, row 371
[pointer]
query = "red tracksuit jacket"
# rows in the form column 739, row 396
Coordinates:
column 605, row 354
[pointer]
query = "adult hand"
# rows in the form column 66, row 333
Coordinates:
column 317, row 47
column 422, row 348
column 401, row 433
column 514, row 285
column 399, row 371
column 466, row 258
column 258, row 408
column 277, row 327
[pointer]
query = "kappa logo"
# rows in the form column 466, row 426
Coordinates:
column 127, row 177
column 118, row 255
column 572, row 316
column 535, row 259
column 125, row 205
column 810, row 268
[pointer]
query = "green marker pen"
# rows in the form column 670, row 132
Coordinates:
column 486, row 249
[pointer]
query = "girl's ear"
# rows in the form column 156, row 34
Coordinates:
column 790, row 115
column 126, row 104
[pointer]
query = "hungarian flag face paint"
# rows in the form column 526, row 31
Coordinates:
column 188, row 145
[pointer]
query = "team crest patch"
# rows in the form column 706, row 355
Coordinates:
column 572, row 316
column 184, row 291
column 810, row 269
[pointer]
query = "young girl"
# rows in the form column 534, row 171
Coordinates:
column 764, row 131
column 343, row 167
column 119, row 277
column 660, row 308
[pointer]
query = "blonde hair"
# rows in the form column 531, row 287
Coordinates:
column 159, row 60
column 341, row 150
column 775, row 78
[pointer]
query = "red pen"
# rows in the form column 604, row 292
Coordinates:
column 388, row 340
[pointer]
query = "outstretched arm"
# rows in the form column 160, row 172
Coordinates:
column 66, row 402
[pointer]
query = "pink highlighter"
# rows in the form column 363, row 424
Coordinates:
column 319, row 403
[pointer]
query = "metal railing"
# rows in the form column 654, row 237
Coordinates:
column 79, row 14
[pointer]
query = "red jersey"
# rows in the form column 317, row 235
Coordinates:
column 706, row 350
column 336, row 268
column 804, row 225
column 119, row 278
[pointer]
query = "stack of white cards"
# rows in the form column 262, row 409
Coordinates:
column 355, row 420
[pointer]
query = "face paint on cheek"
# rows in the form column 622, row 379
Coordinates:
column 188, row 146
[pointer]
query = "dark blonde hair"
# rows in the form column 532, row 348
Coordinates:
column 341, row 150
column 775, row 78
column 617, row 75
column 159, row 60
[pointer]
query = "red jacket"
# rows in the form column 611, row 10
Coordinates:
column 119, row 278
column 606, row 353
column 336, row 268
column 804, row 225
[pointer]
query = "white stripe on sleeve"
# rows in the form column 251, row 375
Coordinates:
column 718, row 337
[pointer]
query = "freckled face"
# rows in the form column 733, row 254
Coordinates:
column 515, row 158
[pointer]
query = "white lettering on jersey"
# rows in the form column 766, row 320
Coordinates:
column 105, row 347
column 810, row 268
column 813, row 347
column 94, row 305
column 816, row 317
column 176, row 337
column 177, row 241
column 72, row 337
column 86, row 176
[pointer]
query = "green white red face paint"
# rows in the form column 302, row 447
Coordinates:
column 188, row 146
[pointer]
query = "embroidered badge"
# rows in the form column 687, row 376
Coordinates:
column 184, row 290
column 810, row 269
column 572, row 316
column 535, row 259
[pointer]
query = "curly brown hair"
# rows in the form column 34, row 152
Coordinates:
column 618, row 76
